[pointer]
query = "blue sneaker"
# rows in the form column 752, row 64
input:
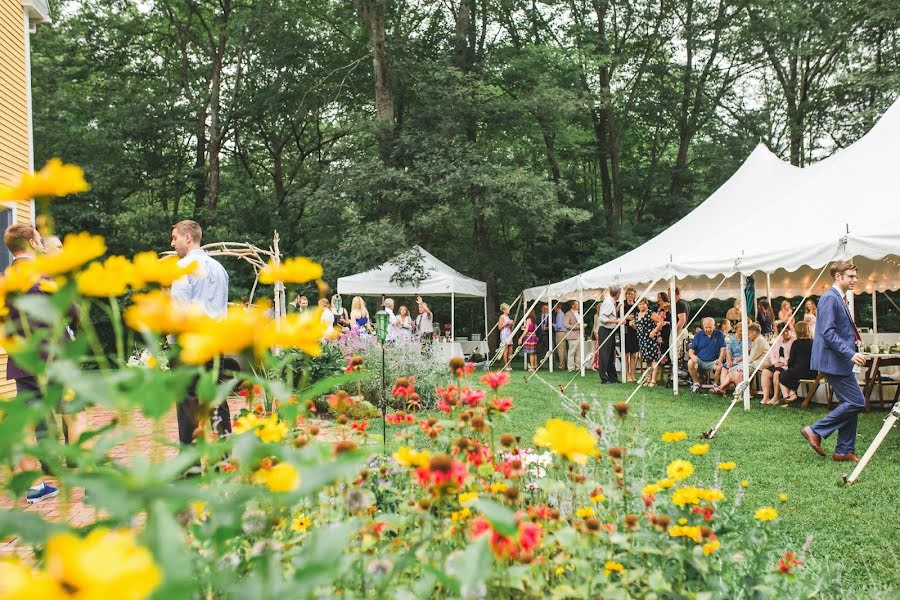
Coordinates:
column 41, row 492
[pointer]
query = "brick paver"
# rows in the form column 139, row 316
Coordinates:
column 161, row 444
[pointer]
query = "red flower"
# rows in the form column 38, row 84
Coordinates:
column 472, row 397
column 243, row 392
column 444, row 407
column 649, row 500
column 495, row 379
column 228, row 467
column 526, row 539
column 478, row 454
column 359, row 426
column 788, row 562
column 399, row 418
column 540, row 512
column 464, row 370
column 511, row 469
column 441, row 473
column 502, row 404
column 258, row 409
column 354, row 363
column 706, row 511
column 429, row 428
column 403, row 387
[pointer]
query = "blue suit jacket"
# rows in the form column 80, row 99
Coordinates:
column 835, row 341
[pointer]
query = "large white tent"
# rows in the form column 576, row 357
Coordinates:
column 439, row 280
column 776, row 219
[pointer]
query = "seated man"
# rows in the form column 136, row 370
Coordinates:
column 706, row 353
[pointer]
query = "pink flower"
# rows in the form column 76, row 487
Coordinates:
column 472, row 397
column 495, row 379
column 502, row 404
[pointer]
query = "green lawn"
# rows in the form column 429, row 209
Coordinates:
column 854, row 527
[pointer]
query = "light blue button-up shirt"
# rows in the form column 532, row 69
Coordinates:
column 206, row 287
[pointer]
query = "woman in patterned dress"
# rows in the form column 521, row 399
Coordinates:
column 648, row 326
column 529, row 340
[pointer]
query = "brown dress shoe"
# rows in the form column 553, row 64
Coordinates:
column 850, row 457
column 814, row 440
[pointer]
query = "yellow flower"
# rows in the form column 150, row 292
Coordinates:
column 152, row 362
column 673, row 436
column 665, row 483
column 55, row 179
column 408, row 457
column 568, row 440
column 237, row 331
column 461, row 515
column 498, row 487
column 682, row 521
column 48, row 286
column 199, row 510
column 154, row 312
column 744, row 483
column 597, row 498
column 783, row 497
column 68, row 395
column 467, row 498
column 711, row 495
column 612, row 566
column 271, row 430
column 699, row 449
column 585, row 512
column 766, row 513
column 560, row 571
column 21, row 276
column 690, row 532
column 679, row 470
column 246, row 422
column 105, row 564
column 283, row 477
column 300, row 523
column 20, row 582
column 710, row 547
column 150, row 268
column 727, row 466
column 292, row 270
column 111, row 278
column 686, row 495
column 78, row 249
column 302, row 331
column 651, row 489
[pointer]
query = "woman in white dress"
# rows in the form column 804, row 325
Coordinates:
column 810, row 315
column 505, row 325
column 404, row 325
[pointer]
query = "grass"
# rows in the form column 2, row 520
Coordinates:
column 854, row 528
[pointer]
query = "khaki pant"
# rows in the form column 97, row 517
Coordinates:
column 574, row 355
column 560, row 344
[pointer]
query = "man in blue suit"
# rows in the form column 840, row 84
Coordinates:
column 834, row 353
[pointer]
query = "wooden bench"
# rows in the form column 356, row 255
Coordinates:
column 812, row 385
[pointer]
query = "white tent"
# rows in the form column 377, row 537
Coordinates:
column 439, row 280
column 773, row 218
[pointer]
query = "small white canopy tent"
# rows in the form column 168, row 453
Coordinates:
column 773, row 218
column 437, row 279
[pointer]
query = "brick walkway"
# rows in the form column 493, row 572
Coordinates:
column 78, row 514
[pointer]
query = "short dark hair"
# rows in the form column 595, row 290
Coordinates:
column 16, row 237
column 753, row 327
column 188, row 227
column 840, row 267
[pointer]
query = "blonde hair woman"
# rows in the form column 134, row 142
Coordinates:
column 505, row 325
column 810, row 315
column 359, row 315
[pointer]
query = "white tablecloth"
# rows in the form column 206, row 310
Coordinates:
column 470, row 348
column 448, row 350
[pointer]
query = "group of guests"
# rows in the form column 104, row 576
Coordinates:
column 401, row 325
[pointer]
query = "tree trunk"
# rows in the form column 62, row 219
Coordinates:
column 372, row 14
column 200, row 173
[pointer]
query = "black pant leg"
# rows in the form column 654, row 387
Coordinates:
column 186, row 415
column 605, row 354
column 611, row 361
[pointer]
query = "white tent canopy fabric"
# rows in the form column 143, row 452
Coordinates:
column 771, row 217
column 440, row 279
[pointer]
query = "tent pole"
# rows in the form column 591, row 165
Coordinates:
column 623, row 361
column 745, row 342
column 769, row 290
column 673, row 336
column 874, row 314
column 851, row 297
column 551, row 334
column 581, row 328
column 486, row 328
column 452, row 317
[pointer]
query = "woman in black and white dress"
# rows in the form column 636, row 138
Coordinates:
column 648, row 326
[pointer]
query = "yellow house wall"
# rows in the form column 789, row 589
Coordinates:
column 15, row 139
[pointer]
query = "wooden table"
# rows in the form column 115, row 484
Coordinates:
column 881, row 365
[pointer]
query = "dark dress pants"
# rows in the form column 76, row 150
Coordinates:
column 606, row 359
column 843, row 418
column 188, row 411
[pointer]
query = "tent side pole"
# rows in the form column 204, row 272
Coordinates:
column 452, row 317
column 624, row 361
column 769, row 290
column 551, row 333
column 745, row 342
column 486, row 326
column 851, row 301
column 874, row 314
column 673, row 336
column 581, row 329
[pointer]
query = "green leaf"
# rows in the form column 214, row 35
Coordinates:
column 21, row 481
column 166, row 540
column 30, row 527
column 471, row 568
column 321, row 553
column 38, row 307
column 502, row 519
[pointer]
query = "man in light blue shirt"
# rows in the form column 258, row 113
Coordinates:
column 207, row 288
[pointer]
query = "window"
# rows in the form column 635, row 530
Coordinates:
column 7, row 218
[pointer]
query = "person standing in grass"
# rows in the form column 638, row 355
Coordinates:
column 835, row 352
column 505, row 326
column 529, row 341
column 648, row 326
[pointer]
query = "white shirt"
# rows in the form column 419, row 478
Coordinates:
column 206, row 287
column 608, row 313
